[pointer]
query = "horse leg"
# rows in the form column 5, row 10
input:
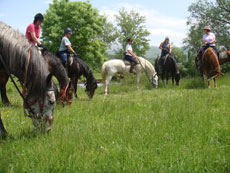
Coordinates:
column 2, row 129
column 215, row 84
column 74, row 82
column 107, row 84
column 173, row 77
column 162, row 77
column 3, row 80
column 209, row 84
column 138, row 80
column 167, row 78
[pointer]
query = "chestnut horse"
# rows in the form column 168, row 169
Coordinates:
column 210, row 66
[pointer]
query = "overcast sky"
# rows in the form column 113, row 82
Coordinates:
column 163, row 17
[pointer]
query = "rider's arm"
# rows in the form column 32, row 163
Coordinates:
column 133, row 54
column 35, row 38
column 70, row 48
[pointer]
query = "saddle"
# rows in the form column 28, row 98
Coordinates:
column 162, row 60
column 69, row 58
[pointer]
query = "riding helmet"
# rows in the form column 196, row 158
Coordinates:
column 167, row 38
column 207, row 28
column 38, row 17
column 68, row 30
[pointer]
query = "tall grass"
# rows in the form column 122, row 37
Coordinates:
column 169, row 129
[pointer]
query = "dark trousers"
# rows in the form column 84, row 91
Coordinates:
column 130, row 59
column 204, row 47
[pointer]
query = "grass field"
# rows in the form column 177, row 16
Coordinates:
column 172, row 129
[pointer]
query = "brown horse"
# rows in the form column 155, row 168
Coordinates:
column 56, row 68
column 210, row 66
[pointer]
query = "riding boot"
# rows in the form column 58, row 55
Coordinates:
column 132, row 67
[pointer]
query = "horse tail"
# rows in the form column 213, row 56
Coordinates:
column 103, row 73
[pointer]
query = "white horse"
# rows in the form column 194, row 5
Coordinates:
column 117, row 65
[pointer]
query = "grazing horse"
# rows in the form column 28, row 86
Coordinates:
column 57, row 69
column 169, row 66
column 113, row 66
column 209, row 66
column 78, row 68
column 24, row 61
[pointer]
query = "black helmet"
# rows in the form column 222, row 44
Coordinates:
column 68, row 30
column 38, row 17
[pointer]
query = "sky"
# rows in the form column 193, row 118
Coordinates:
column 163, row 17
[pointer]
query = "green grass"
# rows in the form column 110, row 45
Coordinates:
column 169, row 129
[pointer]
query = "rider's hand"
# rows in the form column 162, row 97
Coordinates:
column 41, row 45
column 75, row 53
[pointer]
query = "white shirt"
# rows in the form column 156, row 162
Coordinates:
column 209, row 37
column 128, row 47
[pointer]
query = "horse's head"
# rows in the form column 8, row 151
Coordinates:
column 154, row 80
column 90, row 88
column 177, row 78
column 42, row 109
column 66, row 93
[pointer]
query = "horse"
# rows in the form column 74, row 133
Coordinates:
column 224, row 57
column 77, row 69
column 209, row 66
column 114, row 66
column 169, row 66
column 57, row 69
column 23, row 60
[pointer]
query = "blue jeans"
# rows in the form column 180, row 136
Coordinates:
column 63, row 55
column 130, row 59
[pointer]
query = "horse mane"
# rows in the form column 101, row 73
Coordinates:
column 85, row 70
column 57, row 69
column 149, row 64
column 14, row 48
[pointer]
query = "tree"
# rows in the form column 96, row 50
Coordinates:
column 205, row 12
column 87, row 26
column 131, row 25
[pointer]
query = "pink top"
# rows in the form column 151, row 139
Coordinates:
column 32, row 28
column 209, row 37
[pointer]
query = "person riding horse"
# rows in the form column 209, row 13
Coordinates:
column 33, row 30
column 165, row 51
column 130, row 56
column 209, row 40
column 65, row 47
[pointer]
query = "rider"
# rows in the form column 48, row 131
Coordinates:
column 209, row 39
column 33, row 30
column 65, row 47
column 129, row 55
column 166, row 49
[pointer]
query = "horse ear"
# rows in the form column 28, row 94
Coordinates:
column 48, row 79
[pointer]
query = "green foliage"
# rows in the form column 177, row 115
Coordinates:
column 87, row 26
column 171, row 129
column 205, row 12
column 131, row 25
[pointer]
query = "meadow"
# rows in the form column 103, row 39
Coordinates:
column 182, row 128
